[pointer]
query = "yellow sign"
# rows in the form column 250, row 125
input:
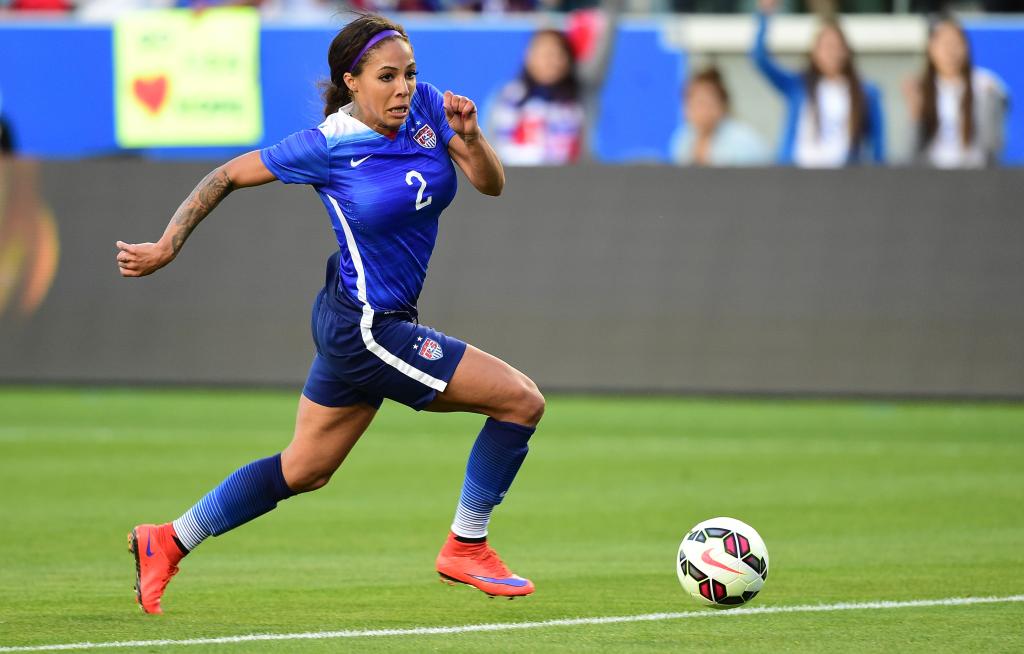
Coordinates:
column 187, row 78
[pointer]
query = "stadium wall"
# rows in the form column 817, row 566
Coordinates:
column 592, row 278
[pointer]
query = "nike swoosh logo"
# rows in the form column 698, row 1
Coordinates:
column 356, row 162
column 706, row 558
column 518, row 583
column 149, row 551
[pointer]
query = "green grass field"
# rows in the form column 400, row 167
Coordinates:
column 857, row 501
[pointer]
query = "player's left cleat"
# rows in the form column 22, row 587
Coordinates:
column 156, row 561
column 477, row 565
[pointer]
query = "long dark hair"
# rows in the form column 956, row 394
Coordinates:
column 566, row 89
column 858, row 123
column 344, row 49
column 929, row 97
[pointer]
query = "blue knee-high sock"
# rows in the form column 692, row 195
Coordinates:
column 498, row 452
column 247, row 493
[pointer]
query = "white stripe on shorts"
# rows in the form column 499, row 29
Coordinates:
column 367, row 320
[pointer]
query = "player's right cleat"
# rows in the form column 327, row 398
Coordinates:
column 477, row 565
column 156, row 561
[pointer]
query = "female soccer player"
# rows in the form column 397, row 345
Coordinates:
column 382, row 164
column 833, row 119
column 959, row 108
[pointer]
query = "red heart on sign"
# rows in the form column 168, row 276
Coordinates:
column 151, row 92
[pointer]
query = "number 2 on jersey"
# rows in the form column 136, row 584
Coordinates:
column 420, row 202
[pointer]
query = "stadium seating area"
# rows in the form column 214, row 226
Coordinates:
column 61, row 106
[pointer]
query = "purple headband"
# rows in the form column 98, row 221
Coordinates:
column 377, row 38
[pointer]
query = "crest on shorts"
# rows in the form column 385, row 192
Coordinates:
column 431, row 350
column 427, row 139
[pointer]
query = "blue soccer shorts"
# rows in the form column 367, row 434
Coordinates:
column 395, row 357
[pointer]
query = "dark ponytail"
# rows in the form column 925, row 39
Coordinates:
column 345, row 47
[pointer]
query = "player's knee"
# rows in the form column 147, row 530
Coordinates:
column 308, row 478
column 536, row 405
column 528, row 405
column 310, row 482
column 318, row 481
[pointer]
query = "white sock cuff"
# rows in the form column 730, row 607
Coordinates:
column 469, row 523
column 188, row 530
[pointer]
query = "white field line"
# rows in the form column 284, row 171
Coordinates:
column 509, row 626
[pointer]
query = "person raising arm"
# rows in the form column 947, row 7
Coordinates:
column 833, row 118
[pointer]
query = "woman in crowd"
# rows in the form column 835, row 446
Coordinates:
column 710, row 136
column 959, row 109
column 834, row 118
column 538, row 118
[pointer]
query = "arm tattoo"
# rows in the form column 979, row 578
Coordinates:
column 206, row 195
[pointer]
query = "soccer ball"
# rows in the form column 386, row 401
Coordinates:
column 722, row 563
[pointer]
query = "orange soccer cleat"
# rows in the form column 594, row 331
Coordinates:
column 156, row 561
column 477, row 565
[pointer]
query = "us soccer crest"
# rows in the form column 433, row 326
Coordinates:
column 427, row 139
column 431, row 349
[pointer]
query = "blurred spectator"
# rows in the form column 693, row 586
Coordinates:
column 706, row 6
column 199, row 5
column 709, row 135
column 834, row 119
column 959, row 109
column 40, row 5
column 460, row 6
column 537, row 119
column 390, row 6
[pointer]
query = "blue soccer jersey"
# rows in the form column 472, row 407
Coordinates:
column 384, row 196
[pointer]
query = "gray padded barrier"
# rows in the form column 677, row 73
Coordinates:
column 865, row 281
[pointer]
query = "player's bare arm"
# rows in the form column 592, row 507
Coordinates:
column 470, row 150
column 140, row 259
